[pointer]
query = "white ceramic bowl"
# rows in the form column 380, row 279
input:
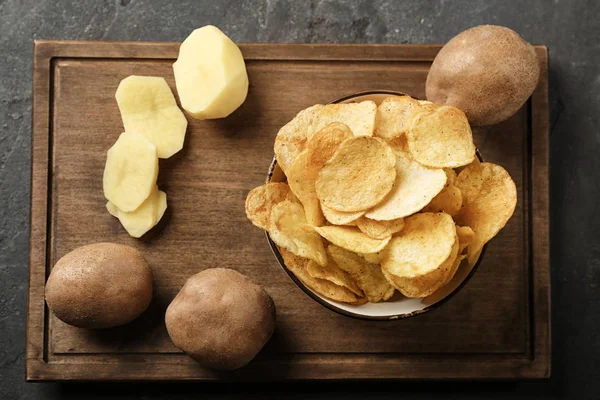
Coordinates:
column 397, row 307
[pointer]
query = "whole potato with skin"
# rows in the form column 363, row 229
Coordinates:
column 100, row 285
column 221, row 319
column 487, row 71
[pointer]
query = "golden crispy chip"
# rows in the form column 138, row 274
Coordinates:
column 358, row 176
column 324, row 143
column 393, row 116
column 451, row 174
column 489, row 200
column 449, row 200
column 261, row 200
column 379, row 229
column 291, row 138
column 368, row 276
column 340, row 217
column 334, row 274
column 441, row 138
column 288, row 230
column 373, row 258
column 415, row 186
column 351, row 238
column 466, row 236
column 303, row 186
column 360, row 117
column 452, row 271
column 422, row 284
column 297, row 265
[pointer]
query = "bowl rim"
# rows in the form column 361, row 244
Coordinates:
column 333, row 307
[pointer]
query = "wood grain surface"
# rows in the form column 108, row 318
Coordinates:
column 497, row 326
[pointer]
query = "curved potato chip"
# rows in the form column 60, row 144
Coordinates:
column 358, row 176
column 379, row 229
column 441, row 138
column 340, row 217
column 423, row 284
column 368, row 276
column 415, row 186
column 291, row 138
column 449, row 200
column 351, row 238
column 466, row 236
column 334, row 274
column 324, row 143
column 451, row 174
column 261, row 200
column 360, row 117
column 489, row 200
column 287, row 230
column 393, row 116
column 373, row 258
column 297, row 265
column 303, row 186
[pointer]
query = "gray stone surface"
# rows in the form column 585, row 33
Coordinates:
column 569, row 28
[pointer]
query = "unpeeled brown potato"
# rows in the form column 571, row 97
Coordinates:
column 487, row 71
column 221, row 319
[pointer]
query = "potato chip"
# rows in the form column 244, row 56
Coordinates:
column 422, row 283
column 261, row 200
column 351, row 238
column 303, row 187
column 449, row 200
column 451, row 174
column 297, row 265
column 340, row 217
column 393, row 116
column 360, row 117
column 324, row 143
column 291, row 138
column 358, row 176
column 415, row 186
column 489, row 200
column 441, row 138
column 368, row 276
column 288, row 230
column 379, row 229
column 373, row 258
column 334, row 274
column 466, row 236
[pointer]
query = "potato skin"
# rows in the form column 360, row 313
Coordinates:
column 99, row 285
column 487, row 71
column 221, row 318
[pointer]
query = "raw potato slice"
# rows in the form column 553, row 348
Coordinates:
column 415, row 186
column 449, row 200
column 261, row 200
column 112, row 209
column 130, row 172
column 416, row 259
column 340, row 217
column 145, row 217
column 466, row 236
column 297, row 265
column 358, row 176
column 148, row 107
column 393, row 116
column 351, row 238
column 368, row 276
column 210, row 74
column 489, row 200
column 288, row 230
column 380, row 229
column 441, row 138
column 360, row 117
column 302, row 184
column 291, row 138
column 334, row 274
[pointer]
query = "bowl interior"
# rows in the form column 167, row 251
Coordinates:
column 398, row 306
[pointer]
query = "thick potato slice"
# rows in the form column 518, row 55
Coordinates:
column 358, row 176
column 359, row 117
column 143, row 218
column 415, row 186
column 130, row 172
column 148, row 107
column 368, row 276
column 351, row 238
column 261, row 200
column 289, row 230
column 210, row 74
column 379, row 229
column 394, row 115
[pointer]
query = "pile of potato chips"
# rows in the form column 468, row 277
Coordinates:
column 373, row 202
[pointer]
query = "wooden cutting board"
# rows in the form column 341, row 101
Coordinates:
column 497, row 326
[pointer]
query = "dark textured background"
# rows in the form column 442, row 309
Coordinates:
column 570, row 29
